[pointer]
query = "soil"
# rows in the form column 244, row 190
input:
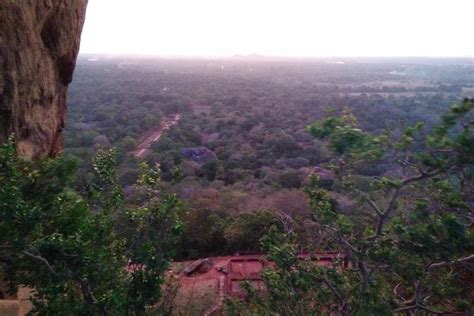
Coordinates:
column 153, row 135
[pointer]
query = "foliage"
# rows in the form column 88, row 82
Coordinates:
column 245, row 230
column 203, row 234
column 295, row 287
column 209, row 169
column 252, row 115
column 290, row 179
column 412, row 251
column 70, row 248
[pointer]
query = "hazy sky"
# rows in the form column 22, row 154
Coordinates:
column 283, row 28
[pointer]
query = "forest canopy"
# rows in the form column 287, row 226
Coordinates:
column 372, row 160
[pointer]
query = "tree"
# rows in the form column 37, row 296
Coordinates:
column 71, row 248
column 203, row 234
column 290, row 179
column 209, row 169
column 244, row 232
column 411, row 247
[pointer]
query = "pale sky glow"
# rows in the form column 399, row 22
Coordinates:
column 280, row 27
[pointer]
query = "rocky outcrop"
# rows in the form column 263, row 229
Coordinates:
column 198, row 154
column 39, row 43
column 18, row 304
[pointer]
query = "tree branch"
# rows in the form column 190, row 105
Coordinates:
column 48, row 265
column 370, row 202
column 445, row 264
column 334, row 290
column 50, row 268
column 343, row 240
column 421, row 176
column 87, row 293
column 415, row 307
column 393, row 201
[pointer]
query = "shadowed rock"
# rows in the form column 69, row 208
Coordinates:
column 198, row 154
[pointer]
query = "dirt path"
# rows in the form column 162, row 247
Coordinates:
column 145, row 142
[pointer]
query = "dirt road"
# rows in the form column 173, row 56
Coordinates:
column 145, row 142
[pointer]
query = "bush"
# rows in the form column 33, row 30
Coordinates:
column 246, row 230
column 290, row 179
column 71, row 248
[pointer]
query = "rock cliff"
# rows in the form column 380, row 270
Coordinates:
column 39, row 43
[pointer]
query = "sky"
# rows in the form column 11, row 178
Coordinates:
column 298, row 28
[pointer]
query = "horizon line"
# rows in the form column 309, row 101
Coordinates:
column 263, row 56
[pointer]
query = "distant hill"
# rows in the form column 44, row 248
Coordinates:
column 250, row 56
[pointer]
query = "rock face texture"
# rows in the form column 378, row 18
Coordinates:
column 39, row 43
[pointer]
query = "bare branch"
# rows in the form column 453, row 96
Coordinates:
column 287, row 221
column 341, row 238
column 407, row 163
column 50, row 268
column 86, row 291
column 370, row 202
column 418, row 292
column 445, row 264
column 406, row 309
column 383, row 217
column 421, row 176
column 334, row 290
column 415, row 307
column 393, row 201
